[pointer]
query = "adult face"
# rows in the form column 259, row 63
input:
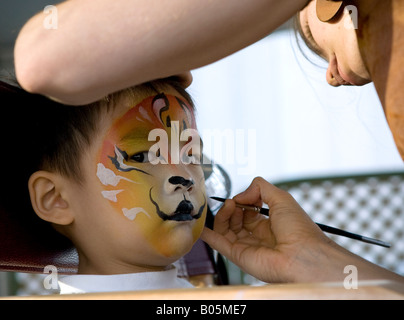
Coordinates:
column 336, row 41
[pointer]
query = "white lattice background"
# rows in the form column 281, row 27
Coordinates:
column 371, row 206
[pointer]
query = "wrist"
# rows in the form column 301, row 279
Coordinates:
column 320, row 262
column 332, row 263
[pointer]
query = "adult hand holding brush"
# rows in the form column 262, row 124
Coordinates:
column 287, row 246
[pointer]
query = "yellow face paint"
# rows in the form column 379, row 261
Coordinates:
column 165, row 199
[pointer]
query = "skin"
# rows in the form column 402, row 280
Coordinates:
column 108, row 48
column 107, row 238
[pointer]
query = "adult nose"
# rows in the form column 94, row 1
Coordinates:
column 331, row 78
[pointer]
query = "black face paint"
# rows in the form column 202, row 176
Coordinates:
column 184, row 107
column 177, row 180
column 182, row 213
column 117, row 161
column 163, row 109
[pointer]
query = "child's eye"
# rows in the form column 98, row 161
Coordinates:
column 191, row 157
column 141, row 157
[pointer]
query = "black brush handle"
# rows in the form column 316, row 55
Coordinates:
column 323, row 227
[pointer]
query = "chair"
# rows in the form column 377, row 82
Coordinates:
column 25, row 250
column 28, row 245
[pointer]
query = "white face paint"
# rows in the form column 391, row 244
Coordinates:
column 144, row 115
column 108, row 177
column 132, row 213
column 111, row 195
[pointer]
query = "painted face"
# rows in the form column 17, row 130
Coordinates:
column 145, row 176
column 337, row 43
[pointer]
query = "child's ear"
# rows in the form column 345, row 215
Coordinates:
column 49, row 198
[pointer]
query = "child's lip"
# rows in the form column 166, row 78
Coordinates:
column 189, row 213
column 183, row 212
column 180, row 217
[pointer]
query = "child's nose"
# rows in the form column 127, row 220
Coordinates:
column 178, row 184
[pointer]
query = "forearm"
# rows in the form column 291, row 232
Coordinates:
column 106, row 45
column 332, row 263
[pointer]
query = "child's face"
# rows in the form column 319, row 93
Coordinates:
column 139, row 212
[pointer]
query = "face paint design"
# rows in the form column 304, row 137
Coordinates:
column 132, row 213
column 108, row 177
column 118, row 161
column 156, row 197
column 182, row 213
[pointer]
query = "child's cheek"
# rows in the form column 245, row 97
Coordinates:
column 132, row 202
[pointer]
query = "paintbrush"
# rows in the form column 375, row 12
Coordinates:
column 325, row 228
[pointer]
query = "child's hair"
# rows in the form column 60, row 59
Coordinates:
column 37, row 133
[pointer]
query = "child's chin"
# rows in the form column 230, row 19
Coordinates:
column 176, row 248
